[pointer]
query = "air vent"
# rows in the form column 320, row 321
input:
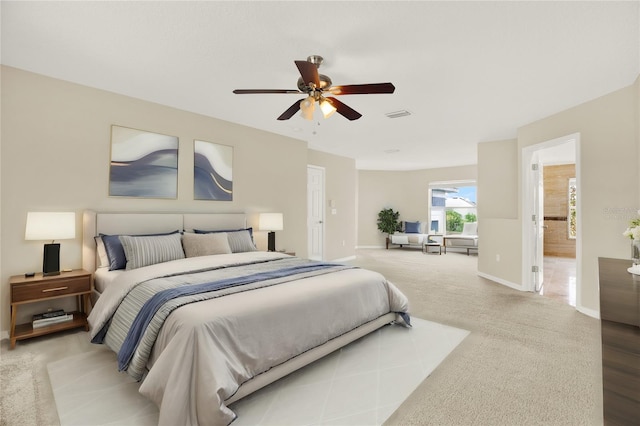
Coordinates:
column 398, row 114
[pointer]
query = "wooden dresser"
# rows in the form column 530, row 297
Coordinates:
column 620, row 322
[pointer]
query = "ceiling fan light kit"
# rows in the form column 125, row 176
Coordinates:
column 327, row 108
column 307, row 107
column 314, row 85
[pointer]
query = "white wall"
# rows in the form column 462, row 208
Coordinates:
column 498, row 223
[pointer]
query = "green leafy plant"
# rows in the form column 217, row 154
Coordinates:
column 388, row 221
column 454, row 221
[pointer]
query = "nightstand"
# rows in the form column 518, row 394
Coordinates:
column 38, row 288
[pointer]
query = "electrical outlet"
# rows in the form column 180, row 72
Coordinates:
column 497, row 258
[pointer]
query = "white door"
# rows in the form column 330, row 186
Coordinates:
column 315, row 212
column 538, row 223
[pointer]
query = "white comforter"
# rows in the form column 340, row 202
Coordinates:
column 206, row 350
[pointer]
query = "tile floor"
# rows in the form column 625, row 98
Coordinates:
column 559, row 279
column 361, row 384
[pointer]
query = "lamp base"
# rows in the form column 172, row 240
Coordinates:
column 271, row 241
column 51, row 260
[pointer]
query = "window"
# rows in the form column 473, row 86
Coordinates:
column 572, row 208
column 452, row 206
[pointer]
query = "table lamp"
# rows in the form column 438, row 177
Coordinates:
column 50, row 226
column 271, row 222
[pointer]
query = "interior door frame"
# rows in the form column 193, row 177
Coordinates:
column 527, row 158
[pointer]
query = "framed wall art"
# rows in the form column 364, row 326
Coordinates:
column 212, row 171
column 143, row 164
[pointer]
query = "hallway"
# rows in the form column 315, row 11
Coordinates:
column 560, row 279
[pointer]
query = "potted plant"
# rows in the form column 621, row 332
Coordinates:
column 388, row 222
column 633, row 232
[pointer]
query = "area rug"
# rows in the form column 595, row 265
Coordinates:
column 361, row 384
column 18, row 400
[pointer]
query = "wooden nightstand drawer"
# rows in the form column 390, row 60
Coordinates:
column 26, row 290
column 50, row 289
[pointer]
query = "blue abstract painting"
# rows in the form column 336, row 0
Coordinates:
column 212, row 171
column 143, row 164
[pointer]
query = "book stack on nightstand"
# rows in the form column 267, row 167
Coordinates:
column 51, row 317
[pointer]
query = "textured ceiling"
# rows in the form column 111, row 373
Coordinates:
column 467, row 71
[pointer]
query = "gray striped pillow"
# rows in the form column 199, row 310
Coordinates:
column 144, row 251
column 240, row 241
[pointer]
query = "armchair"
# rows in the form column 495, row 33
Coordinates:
column 467, row 239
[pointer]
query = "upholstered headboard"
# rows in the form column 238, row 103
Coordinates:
column 94, row 223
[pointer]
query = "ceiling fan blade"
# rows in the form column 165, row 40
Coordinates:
column 290, row 112
column 362, row 89
column 262, row 91
column 346, row 111
column 309, row 72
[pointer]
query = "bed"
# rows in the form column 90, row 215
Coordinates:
column 245, row 319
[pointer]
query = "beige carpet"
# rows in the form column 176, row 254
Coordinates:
column 529, row 360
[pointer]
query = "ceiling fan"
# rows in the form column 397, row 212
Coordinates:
column 316, row 86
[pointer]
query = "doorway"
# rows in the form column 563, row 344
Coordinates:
column 552, row 270
column 559, row 229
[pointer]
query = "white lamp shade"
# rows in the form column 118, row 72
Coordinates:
column 327, row 108
column 50, row 226
column 307, row 106
column 271, row 222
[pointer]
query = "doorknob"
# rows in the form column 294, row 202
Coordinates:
column 319, row 221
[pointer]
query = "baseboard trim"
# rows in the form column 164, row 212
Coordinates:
column 501, row 281
column 4, row 335
column 589, row 312
column 369, row 247
column 345, row 259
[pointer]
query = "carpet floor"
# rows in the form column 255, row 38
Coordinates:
column 529, row 360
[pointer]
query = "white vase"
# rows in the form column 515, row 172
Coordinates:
column 635, row 252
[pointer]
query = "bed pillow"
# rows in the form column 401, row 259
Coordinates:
column 103, row 259
column 115, row 252
column 412, row 227
column 195, row 245
column 148, row 250
column 237, row 239
column 241, row 241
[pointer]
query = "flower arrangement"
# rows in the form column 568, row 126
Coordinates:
column 633, row 231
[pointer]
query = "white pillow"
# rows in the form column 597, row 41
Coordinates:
column 149, row 250
column 205, row 244
column 102, row 252
column 240, row 241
